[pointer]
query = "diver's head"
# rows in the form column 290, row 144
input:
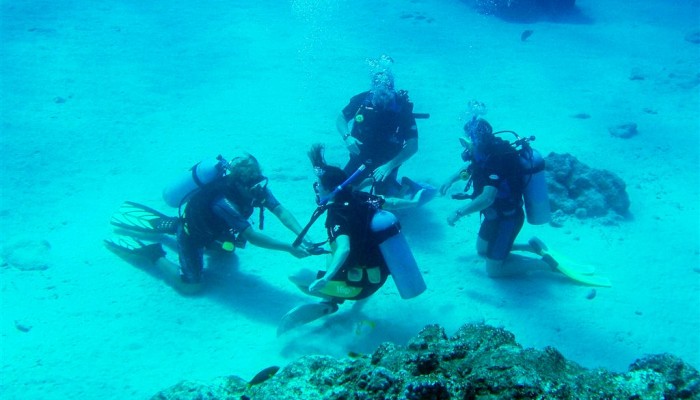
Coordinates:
column 245, row 172
column 382, row 81
column 479, row 134
column 478, row 129
column 328, row 177
column 383, row 93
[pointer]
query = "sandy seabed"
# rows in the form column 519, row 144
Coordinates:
column 102, row 102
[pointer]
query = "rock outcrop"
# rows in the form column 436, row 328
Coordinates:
column 478, row 362
column 577, row 189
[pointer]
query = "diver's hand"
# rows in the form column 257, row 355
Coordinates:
column 306, row 243
column 353, row 144
column 453, row 218
column 318, row 284
column 445, row 187
column 381, row 172
column 298, row 252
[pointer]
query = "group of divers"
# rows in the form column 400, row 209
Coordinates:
column 215, row 199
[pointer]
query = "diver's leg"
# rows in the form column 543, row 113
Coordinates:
column 534, row 246
column 186, row 278
column 497, row 239
column 514, row 265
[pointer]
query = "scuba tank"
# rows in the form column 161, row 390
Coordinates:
column 534, row 186
column 398, row 256
column 181, row 188
column 533, row 180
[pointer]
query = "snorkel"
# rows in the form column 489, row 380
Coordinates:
column 322, row 201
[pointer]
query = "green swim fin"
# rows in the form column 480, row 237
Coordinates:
column 137, row 217
column 304, row 314
column 581, row 273
column 132, row 247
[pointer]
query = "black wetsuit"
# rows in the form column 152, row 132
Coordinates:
column 365, row 268
column 383, row 133
column 504, row 218
column 218, row 211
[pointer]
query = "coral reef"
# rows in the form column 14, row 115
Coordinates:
column 577, row 189
column 478, row 362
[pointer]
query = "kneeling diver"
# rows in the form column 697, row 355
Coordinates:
column 366, row 247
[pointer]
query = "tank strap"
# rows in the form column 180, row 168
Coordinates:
column 385, row 234
column 195, row 178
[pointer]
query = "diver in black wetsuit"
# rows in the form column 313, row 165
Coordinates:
column 218, row 211
column 494, row 172
column 383, row 136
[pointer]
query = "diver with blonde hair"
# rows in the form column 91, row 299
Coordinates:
column 215, row 213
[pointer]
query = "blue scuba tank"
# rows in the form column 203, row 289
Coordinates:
column 397, row 254
column 182, row 187
column 534, row 187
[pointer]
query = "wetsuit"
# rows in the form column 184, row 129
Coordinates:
column 216, row 212
column 365, row 270
column 504, row 218
column 383, row 133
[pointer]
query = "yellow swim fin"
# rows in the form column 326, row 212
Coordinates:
column 578, row 276
column 581, row 273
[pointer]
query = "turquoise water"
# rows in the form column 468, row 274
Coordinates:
column 103, row 102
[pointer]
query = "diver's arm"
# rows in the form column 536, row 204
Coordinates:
column 341, row 124
column 409, row 149
column 481, row 202
column 287, row 219
column 340, row 252
column 262, row 240
column 452, row 179
column 351, row 143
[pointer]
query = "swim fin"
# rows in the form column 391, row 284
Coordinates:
column 132, row 247
column 579, row 272
column 423, row 191
column 140, row 218
column 304, row 314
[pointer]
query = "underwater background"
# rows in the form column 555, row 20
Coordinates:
column 104, row 101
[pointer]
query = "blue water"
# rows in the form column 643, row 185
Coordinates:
column 103, row 102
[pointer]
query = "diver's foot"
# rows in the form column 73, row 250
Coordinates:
column 304, row 314
column 331, row 306
column 538, row 246
column 167, row 225
column 425, row 195
column 130, row 246
column 549, row 260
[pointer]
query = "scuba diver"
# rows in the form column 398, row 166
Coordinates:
column 366, row 247
column 378, row 127
column 216, row 198
column 505, row 178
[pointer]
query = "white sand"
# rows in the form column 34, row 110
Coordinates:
column 101, row 103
